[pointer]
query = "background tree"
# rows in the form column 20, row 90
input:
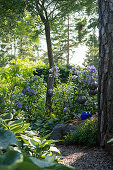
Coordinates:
column 48, row 12
column 105, row 70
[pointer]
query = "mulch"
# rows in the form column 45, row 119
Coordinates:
column 85, row 158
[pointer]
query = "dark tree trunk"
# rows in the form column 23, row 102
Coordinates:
column 68, row 43
column 45, row 20
column 49, row 45
column 105, row 97
column 51, row 64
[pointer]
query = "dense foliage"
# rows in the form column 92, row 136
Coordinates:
column 24, row 94
column 20, row 148
column 85, row 134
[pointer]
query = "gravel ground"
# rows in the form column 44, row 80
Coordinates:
column 84, row 158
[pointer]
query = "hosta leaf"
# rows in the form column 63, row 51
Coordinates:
column 50, row 158
column 64, row 167
column 34, row 142
column 16, row 122
column 11, row 160
column 110, row 140
column 28, row 166
column 42, row 163
column 54, row 149
column 6, row 116
column 6, row 138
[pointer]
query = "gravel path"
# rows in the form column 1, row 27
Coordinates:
column 84, row 158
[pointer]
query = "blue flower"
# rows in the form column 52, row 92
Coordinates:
column 75, row 70
column 19, row 105
column 28, row 91
column 50, row 91
column 51, row 70
column 92, row 69
column 66, row 109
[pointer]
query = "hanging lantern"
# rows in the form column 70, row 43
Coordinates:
column 81, row 99
column 93, row 85
column 93, row 92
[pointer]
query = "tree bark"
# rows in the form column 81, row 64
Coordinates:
column 105, row 97
column 49, row 45
column 68, row 43
column 50, row 82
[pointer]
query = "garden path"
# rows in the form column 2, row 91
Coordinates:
column 85, row 158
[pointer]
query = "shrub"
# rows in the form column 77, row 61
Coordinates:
column 85, row 133
column 44, row 70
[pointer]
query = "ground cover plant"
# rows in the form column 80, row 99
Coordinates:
column 85, row 134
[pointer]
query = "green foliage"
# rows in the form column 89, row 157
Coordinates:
column 44, row 127
column 24, row 94
column 85, row 134
column 21, row 89
column 14, row 156
column 63, row 74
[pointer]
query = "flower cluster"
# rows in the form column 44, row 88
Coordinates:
column 66, row 109
column 28, row 91
column 19, row 105
column 74, row 70
column 54, row 69
column 92, row 69
column 50, row 91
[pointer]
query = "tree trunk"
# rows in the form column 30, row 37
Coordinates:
column 51, row 64
column 105, row 96
column 68, row 43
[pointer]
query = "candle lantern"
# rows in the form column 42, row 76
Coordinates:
column 93, row 92
column 93, row 85
column 81, row 99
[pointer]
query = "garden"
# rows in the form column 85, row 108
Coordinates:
column 56, row 104
column 25, row 123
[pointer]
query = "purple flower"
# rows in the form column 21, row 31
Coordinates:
column 19, row 105
column 51, row 70
column 66, row 109
column 54, row 69
column 74, row 70
column 92, row 69
column 50, row 91
column 25, row 107
column 28, row 91
column 84, row 71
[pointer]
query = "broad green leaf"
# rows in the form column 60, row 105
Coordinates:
column 6, row 138
column 54, row 149
column 25, row 137
column 50, row 158
column 35, row 142
column 64, row 167
column 28, row 166
column 11, row 160
column 42, row 163
column 16, row 122
column 6, row 116
column 110, row 140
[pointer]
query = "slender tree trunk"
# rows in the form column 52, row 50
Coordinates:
column 50, row 82
column 68, row 43
column 14, row 47
column 51, row 64
column 21, row 46
column 105, row 97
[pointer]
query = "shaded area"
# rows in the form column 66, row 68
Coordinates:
column 85, row 158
